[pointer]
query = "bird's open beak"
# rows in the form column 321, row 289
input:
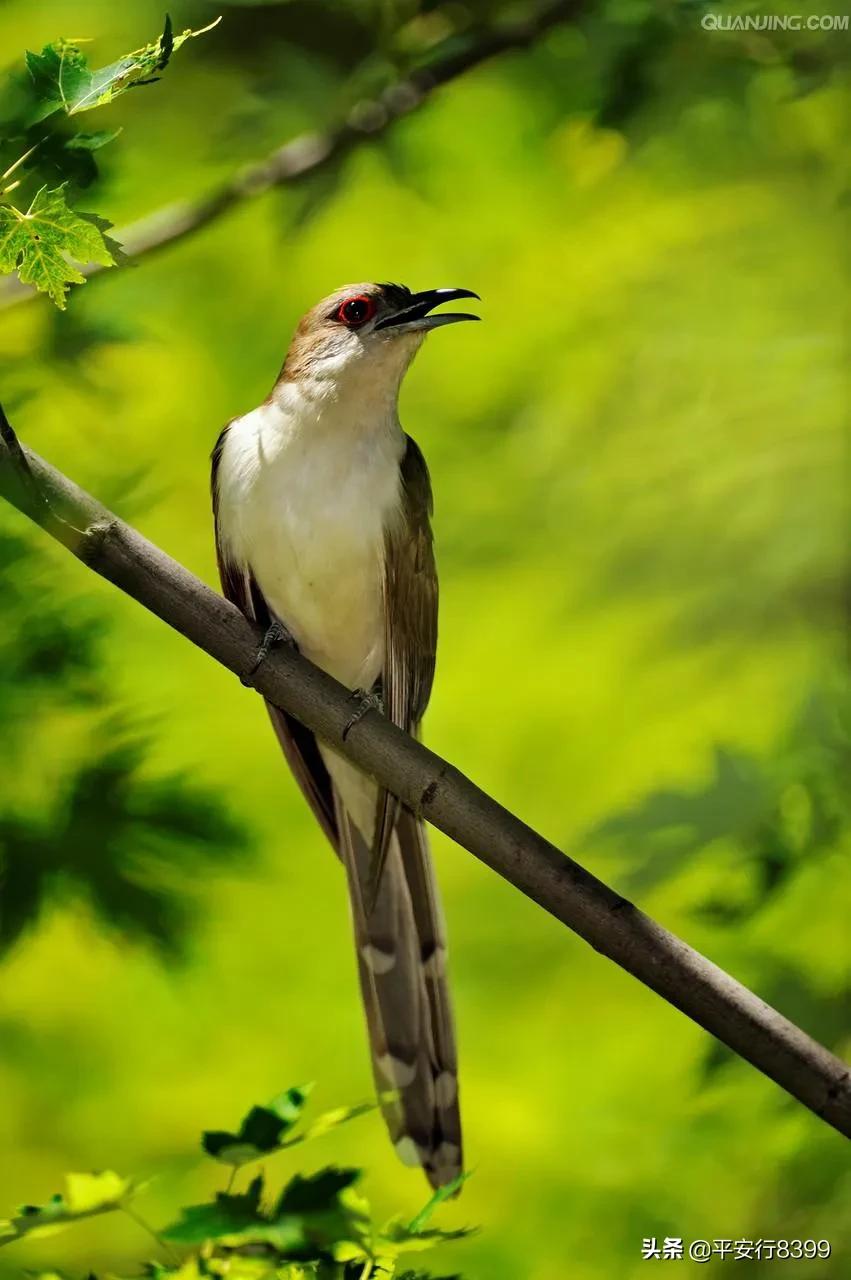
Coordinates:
column 416, row 314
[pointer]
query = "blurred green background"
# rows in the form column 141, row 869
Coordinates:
column 640, row 469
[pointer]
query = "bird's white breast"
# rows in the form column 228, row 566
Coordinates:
column 305, row 493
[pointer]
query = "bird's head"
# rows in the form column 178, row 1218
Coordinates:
column 369, row 331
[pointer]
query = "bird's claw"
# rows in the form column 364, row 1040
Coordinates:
column 367, row 700
column 276, row 633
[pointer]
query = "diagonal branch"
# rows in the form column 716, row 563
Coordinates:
column 305, row 155
column 439, row 792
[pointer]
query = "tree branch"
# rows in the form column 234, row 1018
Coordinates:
column 305, row 155
column 439, row 792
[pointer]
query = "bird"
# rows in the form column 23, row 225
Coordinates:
column 322, row 509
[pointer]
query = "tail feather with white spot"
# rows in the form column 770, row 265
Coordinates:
column 401, row 953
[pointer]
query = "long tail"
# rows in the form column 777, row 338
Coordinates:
column 401, row 950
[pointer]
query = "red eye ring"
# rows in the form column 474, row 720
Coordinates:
column 356, row 311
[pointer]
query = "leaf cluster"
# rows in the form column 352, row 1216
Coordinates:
column 46, row 239
column 783, row 811
column 114, row 836
column 125, row 841
column 317, row 1225
column 784, row 816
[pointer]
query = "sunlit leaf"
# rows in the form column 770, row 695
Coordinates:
column 40, row 243
column 331, row 1120
column 86, row 1194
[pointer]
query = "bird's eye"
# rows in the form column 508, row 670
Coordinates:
column 356, row 311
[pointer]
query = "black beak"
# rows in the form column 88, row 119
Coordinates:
column 415, row 315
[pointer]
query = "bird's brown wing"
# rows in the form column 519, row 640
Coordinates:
column 298, row 743
column 410, row 623
column 410, row 598
column 413, row 1040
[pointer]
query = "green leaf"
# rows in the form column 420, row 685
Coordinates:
column 269, row 1128
column 63, row 81
column 141, row 826
column 425, row 1275
column 331, row 1120
column 312, row 1217
column 262, row 1130
column 228, row 1215
column 319, row 1215
column 39, row 243
column 59, row 75
column 225, row 1217
column 315, row 1194
column 86, row 1194
column 668, row 826
column 400, row 1239
column 91, row 141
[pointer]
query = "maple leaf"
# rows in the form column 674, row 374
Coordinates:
column 43, row 243
column 262, row 1130
column 267, row 1128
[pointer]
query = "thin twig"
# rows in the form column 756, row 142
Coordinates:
column 146, row 1226
column 439, row 792
column 302, row 157
column 16, row 164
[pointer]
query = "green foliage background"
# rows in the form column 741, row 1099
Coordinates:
column 642, row 522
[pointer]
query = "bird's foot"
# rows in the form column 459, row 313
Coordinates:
column 276, row 634
column 367, row 700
